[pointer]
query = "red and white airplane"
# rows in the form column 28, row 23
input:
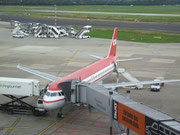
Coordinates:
column 55, row 98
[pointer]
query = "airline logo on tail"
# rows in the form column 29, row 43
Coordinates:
column 112, row 51
column 114, row 42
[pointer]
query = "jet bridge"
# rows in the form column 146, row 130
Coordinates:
column 123, row 112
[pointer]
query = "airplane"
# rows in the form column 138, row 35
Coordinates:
column 54, row 97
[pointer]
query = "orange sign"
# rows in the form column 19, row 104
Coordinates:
column 131, row 118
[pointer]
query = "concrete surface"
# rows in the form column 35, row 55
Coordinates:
column 63, row 56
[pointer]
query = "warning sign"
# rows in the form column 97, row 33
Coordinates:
column 131, row 118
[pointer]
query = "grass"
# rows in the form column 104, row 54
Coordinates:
column 117, row 18
column 174, row 9
column 125, row 9
column 137, row 35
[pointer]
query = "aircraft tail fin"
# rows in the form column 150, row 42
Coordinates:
column 112, row 50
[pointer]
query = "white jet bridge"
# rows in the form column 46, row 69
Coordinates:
column 123, row 112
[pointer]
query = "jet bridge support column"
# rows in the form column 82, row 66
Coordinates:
column 110, row 113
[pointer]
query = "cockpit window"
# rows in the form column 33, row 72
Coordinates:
column 62, row 93
column 47, row 94
column 59, row 93
column 53, row 94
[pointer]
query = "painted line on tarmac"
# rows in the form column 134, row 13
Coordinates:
column 13, row 126
column 178, row 119
column 54, row 123
column 69, row 133
column 50, row 121
column 68, row 60
column 87, row 130
column 16, row 127
column 77, row 114
column 91, row 120
column 34, row 100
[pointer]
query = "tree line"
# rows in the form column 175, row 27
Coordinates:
column 89, row 2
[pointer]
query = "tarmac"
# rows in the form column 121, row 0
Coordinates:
column 61, row 57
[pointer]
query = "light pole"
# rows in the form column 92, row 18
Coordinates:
column 55, row 14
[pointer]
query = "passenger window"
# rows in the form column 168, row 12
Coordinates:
column 167, row 131
column 173, row 133
column 53, row 94
column 59, row 93
column 62, row 93
column 47, row 94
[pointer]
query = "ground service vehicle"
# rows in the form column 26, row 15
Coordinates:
column 19, row 87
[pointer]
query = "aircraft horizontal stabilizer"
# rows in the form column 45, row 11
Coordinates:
column 121, row 60
column 130, row 84
column 97, row 57
column 38, row 73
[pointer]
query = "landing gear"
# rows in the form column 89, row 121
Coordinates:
column 60, row 113
column 18, row 106
column 117, row 72
column 117, row 77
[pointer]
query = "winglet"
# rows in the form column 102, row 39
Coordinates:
column 97, row 57
column 112, row 50
column 18, row 66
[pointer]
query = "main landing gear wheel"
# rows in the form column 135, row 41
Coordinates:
column 60, row 115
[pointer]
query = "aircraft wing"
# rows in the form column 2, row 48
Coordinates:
column 97, row 57
column 121, row 60
column 129, row 84
column 41, row 74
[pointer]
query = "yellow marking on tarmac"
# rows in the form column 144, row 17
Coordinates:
column 68, row 61
column 16, row 127
column 13, row 125
column 54, row 123
column 34, row 100
column 178, row 119
column 46, row 120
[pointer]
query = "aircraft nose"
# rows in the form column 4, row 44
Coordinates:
column 53, row 104
column 50, row 106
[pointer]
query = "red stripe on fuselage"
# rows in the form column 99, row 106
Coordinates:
column 53, row 100
column 85, row 72
column 103, row 76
